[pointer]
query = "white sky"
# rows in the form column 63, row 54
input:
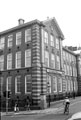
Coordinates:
column 66, row 12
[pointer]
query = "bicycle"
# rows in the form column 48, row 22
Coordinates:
column 66, row 109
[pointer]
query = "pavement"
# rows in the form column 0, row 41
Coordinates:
column 52, row 109
column 76, row 116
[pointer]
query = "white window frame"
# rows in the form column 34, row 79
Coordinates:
column 10, row 40
column 26, row 83
column 52, row 60
column 46, row 58
column 28, row 58
column 2, row 43
column 27, row 35
column 48, row 84
column 19, row 82
column 60, row 84
column 8, row 84
column 58, row 62
column 18, row 59
column 69, row 85
column 2, row 62
column 57, row 43
column 54, row 84
column 1, row 85
column 46, row 37
column 52, row 40
column 9, row 61
column 18, row 38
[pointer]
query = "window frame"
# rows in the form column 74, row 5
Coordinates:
column 18, row 38
column 10, row 41
column 28, row 35
column 18, row 60
column 9, row 61
column 27, row 81
column 2, row 63
column 28, row 58
column 16, row 85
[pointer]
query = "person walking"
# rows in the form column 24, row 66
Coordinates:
column 28, row 103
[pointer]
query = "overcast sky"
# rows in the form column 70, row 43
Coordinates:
column 66, row 12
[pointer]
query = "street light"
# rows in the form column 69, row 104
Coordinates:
column 48, row 85
column 73, row 79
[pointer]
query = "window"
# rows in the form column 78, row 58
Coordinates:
column 59, row 84
column 57, row 43
column 1, row 85
column 28, row 58
column 27, row 35
column 46, row 58
column 71, row 85
column 52, row 60
column 54, row 84
column 18, row 59
column 2, row 43
column 18, row 38
column 70, row 71
column 46, row 37
column 9, row 61
column 68, row 85
column 52, row 40
column 9, row 83
column 48, row 84
column 2, row 62
column 10, row 39
column 58, row 62
column 65, row 69
column 63, row 55
column 28, row 84
column 17, row 84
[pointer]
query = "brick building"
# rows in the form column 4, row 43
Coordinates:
column 78, row 58
column 70, row 70
column 31, row 61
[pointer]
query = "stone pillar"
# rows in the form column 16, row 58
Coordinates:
column 36, row 70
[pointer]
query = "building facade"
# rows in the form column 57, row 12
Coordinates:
column 32, row 61
column 79, row 72
column 70, row 70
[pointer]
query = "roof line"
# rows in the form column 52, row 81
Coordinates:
column 21, row 26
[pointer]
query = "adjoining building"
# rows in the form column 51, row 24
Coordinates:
column 70, row 70
column 77, row 52
column 78, row 58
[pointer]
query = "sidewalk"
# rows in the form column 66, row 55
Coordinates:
column 52, row 109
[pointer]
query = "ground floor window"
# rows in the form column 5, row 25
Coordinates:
column 17, row 84
column 48, row 84
column 60, row 84
column 1, row 85
column 8, row 83
column 27, row 84
column 54, row 84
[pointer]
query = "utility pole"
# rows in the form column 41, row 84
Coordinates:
column 73, row 81
column 6, row 102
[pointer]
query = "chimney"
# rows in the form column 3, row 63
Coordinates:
column 20, row 21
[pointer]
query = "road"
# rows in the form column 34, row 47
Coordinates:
column 75, row 107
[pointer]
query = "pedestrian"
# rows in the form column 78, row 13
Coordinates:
column 28, row 103
column 16, row 107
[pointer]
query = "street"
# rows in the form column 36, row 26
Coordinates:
column 75, row 107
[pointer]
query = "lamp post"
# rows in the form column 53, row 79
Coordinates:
column 48, row 85
column 73, row 81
